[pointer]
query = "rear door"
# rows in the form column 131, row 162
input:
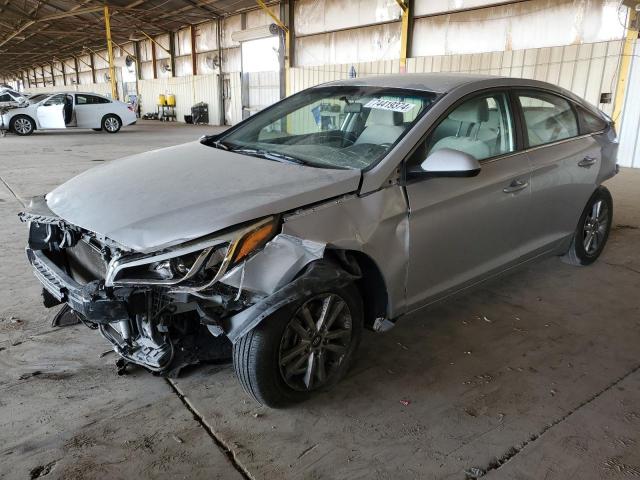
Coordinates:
column 87, row 111
column 564, row 164
column 51, row 113
column 463, row 229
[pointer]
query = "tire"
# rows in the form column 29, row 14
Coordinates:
column 22, row 125
column 97, row 129
column 111, row 123
column 257, row 355
column 592, row 233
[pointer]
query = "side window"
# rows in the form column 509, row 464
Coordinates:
column 548, row 118
column 95, row 99
column 55, row 100
column 481, row 127
column 6, row 98
column 592, row 123
column 82, row 100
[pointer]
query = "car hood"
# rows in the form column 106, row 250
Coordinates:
column 161, row 198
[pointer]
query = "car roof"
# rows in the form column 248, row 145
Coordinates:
column 430, row 82
column 442, row 83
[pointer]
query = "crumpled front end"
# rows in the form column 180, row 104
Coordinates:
column 170, row 308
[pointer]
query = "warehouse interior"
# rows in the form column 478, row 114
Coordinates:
column 532, row 375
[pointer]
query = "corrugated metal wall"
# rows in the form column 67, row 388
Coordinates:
column 587, row 70
column 99, row 88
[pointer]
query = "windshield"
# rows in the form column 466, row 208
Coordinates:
column 330, row 127
column 39, row 97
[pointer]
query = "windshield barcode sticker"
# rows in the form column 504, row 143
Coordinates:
column 390, row 105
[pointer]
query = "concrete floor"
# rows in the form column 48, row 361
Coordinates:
column 534, row 376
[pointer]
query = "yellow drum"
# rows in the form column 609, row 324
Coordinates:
column 162, row 100
column 171, row 100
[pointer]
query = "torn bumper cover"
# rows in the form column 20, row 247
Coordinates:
column 87, row 300
column 317, row 276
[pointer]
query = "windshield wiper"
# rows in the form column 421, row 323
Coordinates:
column 209, row 141
column 268, row 155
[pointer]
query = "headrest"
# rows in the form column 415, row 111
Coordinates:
column 384, row 117
column 473, row 111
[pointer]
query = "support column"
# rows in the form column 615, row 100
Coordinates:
column 64, row 73
column 112, row 68
column 53, row 76
column 625, row 65
column 405, row 35
column 136, row 49
column 220, row 73
column 93, row 68
column 194, row 54
column 172, row 53
column 75, row 64
column 287, row 43
column 154, row 60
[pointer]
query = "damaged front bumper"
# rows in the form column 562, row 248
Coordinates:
column 164, row 325
column 87, row 300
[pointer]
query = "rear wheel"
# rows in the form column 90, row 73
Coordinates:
column 593, row 229
column 111, row 123
column 22, row 125
column 301, row 349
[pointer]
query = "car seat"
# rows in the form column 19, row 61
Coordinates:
column 383, row 126
column 472, row 113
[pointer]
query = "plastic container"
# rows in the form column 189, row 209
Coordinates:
column 171, row 100
column 162, row 99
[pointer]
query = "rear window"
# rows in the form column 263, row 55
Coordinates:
column 84, row 99
column 592, row 123
column 548, row 118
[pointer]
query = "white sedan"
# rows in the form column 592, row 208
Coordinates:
column 69, row 110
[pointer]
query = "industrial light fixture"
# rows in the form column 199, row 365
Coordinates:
column 255, row 33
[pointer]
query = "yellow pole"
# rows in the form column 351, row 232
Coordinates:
column 287, row 44
column 404, row 34
column 112, row 68
column 625, row 65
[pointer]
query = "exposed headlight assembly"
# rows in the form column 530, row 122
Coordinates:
column 193, row 267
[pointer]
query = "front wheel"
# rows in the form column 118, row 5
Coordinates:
column 111, row 124
column 303, row 348
column 22, row 125
column 593, row 229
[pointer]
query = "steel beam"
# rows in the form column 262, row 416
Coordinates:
column 112, row 68
column 625, row 64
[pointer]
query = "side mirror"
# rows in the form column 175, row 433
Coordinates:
column 450, row 163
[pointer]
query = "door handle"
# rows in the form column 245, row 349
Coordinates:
column 516, row 186
column 587, row 162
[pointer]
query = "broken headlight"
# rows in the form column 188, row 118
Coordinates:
column 196, row 266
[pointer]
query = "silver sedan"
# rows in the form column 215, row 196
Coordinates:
column 343, row 207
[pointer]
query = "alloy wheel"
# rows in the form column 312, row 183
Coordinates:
column 315, row 342
column 595, row 227
column 22, row 126
column 111, row 124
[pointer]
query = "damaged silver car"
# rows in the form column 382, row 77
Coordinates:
column 343, row 207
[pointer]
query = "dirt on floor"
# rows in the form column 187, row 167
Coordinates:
column 535, row 375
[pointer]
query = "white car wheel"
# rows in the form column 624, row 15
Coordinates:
column 22, row 125
column 111, row 124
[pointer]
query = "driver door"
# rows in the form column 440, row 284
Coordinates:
column 51, row 113
column 464, row 229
